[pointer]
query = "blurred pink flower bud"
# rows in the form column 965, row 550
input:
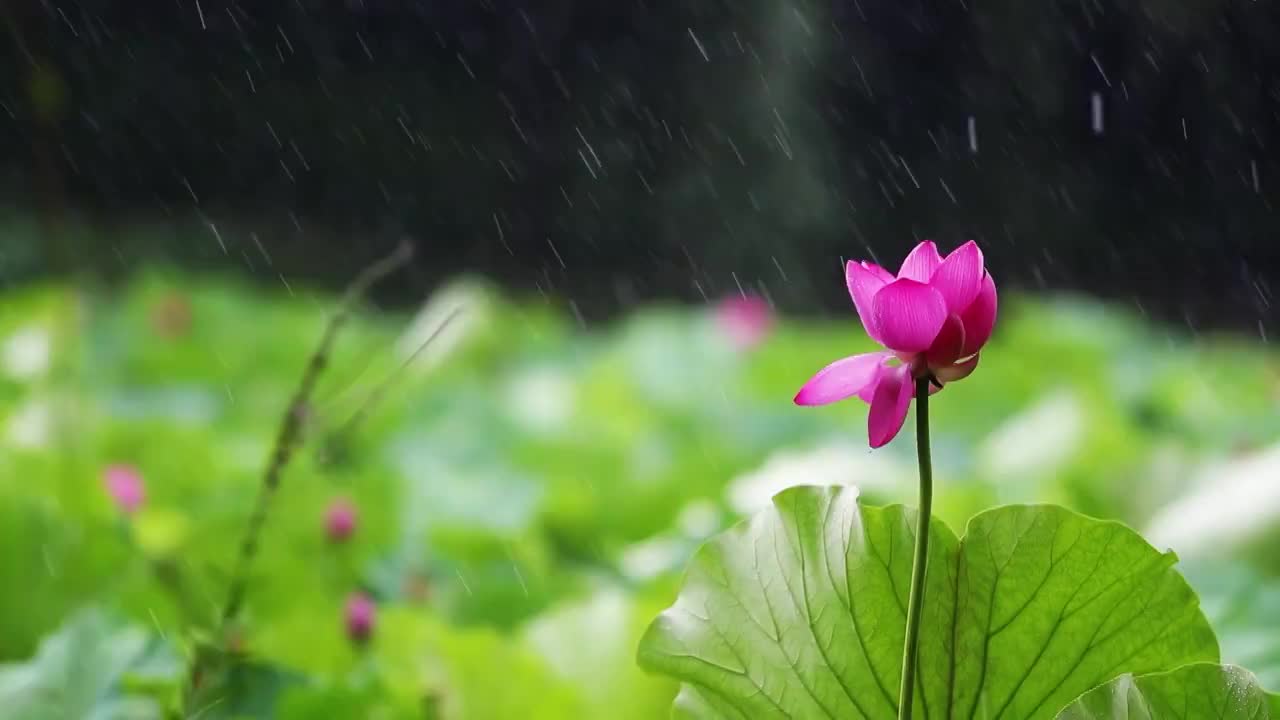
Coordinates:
column 745, row 319
column 340, row 520
column 124, row 485
column 359, row 617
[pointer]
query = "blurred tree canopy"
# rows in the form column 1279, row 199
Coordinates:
column 613, row 151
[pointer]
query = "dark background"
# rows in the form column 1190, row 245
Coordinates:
column 612, row 151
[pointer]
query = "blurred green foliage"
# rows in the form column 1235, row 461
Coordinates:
column 528, row 491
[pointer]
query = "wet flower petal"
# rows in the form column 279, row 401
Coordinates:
column 921, row 262
column 949, row 345
column 867, row 393
column 959, row 371
column 889, row 405
column 934, row 317
column 878, row 271
column 864, row 281
column 909, row 315
column 980, row 317
column 841, row 379
column 959, row 277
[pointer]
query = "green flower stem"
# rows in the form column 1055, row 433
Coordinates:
column 916, row 601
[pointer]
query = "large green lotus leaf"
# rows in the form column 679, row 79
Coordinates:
column 1211, row 394
column 307, row 702
column 798, row 612
column 40, row 338
column 181, row 330
column 1201, row 690
column 589, row 644
column 675, row 359
column 1242, row 606
column 52, row 559
column 78, row 672
column 466, row 673
column 244, row 690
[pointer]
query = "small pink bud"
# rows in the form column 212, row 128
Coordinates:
column 340, row 520
column 124, row 485
column 745, row 319
column 359, row 617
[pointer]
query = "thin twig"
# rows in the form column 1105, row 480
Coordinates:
column 374, row 397
column 292, row 423
column 291, row 427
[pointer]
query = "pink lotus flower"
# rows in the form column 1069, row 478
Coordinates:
column 933, row 318
column 745, row 319
column 340, row 520
column 359, row 617
column 124, row 485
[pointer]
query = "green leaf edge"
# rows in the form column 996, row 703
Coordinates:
column 690, row 696
column 1270, row 707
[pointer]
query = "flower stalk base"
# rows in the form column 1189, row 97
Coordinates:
column 915, row 602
